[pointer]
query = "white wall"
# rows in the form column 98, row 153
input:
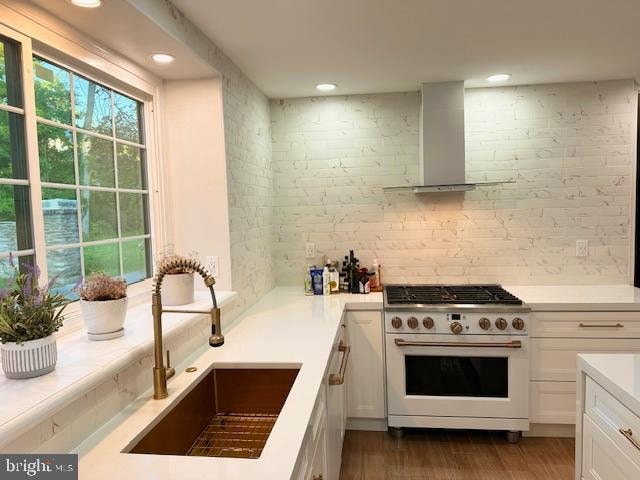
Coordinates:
column 195, row 171
column 568, row 148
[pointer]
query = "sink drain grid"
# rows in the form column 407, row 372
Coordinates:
column 235, row 435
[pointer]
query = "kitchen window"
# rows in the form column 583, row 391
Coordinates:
column 91, row 193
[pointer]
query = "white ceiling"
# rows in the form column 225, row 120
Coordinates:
column 123, row 29
column 366, row 46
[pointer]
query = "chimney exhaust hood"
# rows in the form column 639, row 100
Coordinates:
column 442, row 152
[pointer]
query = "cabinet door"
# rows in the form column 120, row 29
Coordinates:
column 335, row 412
column 601, row 458
column 365, row 388
column 554, row 359
column 318, row 462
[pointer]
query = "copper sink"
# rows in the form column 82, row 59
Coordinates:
column 229, row 413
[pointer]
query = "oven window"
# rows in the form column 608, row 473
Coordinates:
column 457, row 376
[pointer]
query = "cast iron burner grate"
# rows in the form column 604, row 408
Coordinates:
column 234, row 435
column 449, row 295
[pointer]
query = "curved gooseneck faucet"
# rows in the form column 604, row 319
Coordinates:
column 160, row 372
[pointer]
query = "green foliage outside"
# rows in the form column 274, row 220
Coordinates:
column 97, row 109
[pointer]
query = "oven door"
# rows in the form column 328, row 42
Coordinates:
column 458, row 376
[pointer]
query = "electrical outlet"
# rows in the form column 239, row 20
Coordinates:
column 582, row 248
column 309, row 250
column 212, row 265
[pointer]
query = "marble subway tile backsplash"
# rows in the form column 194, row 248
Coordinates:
column 566, row 149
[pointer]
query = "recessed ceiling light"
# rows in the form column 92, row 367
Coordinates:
column 163, row 58
column 499, row 77
column 87, row 3
column 326, row 87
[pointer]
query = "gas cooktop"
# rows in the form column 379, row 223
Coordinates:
column 408, row 295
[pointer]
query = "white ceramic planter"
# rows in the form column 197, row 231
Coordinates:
column 104, row 319
column 177, row 289
column 29, row 359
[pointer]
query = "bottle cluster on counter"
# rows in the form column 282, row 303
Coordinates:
column 349, row 277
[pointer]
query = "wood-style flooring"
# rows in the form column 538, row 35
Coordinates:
column 454, row 455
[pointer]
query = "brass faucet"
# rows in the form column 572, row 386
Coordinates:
column 160, row 372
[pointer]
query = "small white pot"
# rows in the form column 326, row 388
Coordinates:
column 104, row 319
column 29, row 359
column 177, row 289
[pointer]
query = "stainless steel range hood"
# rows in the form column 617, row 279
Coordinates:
column 442, row 152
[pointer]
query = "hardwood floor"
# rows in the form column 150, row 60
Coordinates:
column 454, row 455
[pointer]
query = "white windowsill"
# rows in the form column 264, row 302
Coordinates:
column 84, row 364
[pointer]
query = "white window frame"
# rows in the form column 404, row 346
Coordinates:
column 77, row 187
column 144, row 89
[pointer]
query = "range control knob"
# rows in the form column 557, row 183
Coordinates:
column 501, row 323
column 485, row 323
column 427, row 322
column 456, row 327
column 412, row 322
column 518, row 323
column 396, row 322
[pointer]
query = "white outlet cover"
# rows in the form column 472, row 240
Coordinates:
column 212, row 262
column 309, row 250
column 582, row 248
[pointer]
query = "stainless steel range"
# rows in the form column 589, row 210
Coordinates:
column 457, row 357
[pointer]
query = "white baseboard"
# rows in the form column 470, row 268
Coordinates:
column 551, row 430
column 367, row 424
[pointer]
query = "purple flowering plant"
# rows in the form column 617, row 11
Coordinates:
column 29, row 311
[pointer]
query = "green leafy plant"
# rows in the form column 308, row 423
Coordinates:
column 28, row 311
column 100, row 287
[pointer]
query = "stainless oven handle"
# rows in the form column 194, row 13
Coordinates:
column 408, row 343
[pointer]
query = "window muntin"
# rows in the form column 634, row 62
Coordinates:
column 92, row 168
column 16, row 234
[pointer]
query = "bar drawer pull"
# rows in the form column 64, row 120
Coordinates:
column 628, row 434
column 512, row 344
column 338, row 379
column 600, row 325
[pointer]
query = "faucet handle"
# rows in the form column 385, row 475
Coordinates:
column 169, row 369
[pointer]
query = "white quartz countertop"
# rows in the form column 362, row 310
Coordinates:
column 578, row 297
column 618, row 373
column 285, row 329
column 84, row 364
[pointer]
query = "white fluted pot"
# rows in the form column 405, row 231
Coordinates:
column 29, row 359
column 177, row 289
column 104, row 319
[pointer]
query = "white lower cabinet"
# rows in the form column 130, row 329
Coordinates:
column 320, row 457
column 365, row 388
column 601, row 458
column 607, row 446
column 556, row 340
column 336, row 382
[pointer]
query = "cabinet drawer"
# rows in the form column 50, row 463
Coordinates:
column 585, row 325
column 614, row 419
column 553, row 402
column 554, row 359
column 601, row 457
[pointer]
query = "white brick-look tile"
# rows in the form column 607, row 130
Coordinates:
column 250, row 186
column 567, row 148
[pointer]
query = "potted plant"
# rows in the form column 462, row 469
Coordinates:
column 177, row 285
column 103, row 302
column 29, row 317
